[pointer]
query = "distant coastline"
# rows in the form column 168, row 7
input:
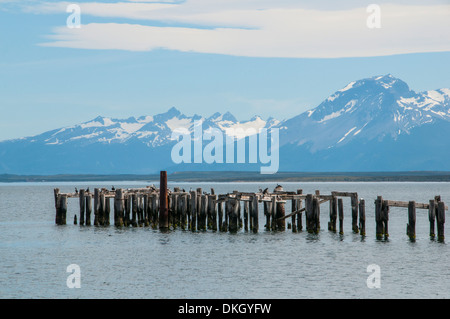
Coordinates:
column 236, row 176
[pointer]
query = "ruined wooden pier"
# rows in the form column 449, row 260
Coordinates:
column 198, row 210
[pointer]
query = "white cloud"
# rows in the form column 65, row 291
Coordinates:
column 255, row 28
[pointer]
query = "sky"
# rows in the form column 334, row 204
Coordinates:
column 250, row 57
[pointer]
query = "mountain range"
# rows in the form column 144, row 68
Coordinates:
column 373, row 124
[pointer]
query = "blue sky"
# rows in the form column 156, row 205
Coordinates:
column 271, row 58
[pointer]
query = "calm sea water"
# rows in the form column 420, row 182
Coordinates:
column 145, row 263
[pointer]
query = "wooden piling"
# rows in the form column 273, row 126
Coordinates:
column 212, row 210
column 411, row 225
column 385, row 218
column 234, row 206
column 134, row 209
column 193, row 209
column 101, row 209
column 333, row 213
column 155, row 210
column 293, row 209
column 362, row 217
column 127, row 202
column 267, row 207
column 246, row 205
column 75, row 219
column 273, row 213
column 88, row 208
column 354, row 204
column 316, row 214
column 163, row 208
column 96, row 205
column 299, row 217
column 63, row 209
column 309, row 213
column 432, row 217
column 378, row 217
column 221, row 216
column 341, row 215
column 146, row 210
column 255, row 214
column 440, row 216
column 203, row 212
column 82, row 203
column 57, row 207
column 118, row 208
column 280, row 213
column 107, row 211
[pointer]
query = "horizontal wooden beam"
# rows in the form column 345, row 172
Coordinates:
column 396, row 203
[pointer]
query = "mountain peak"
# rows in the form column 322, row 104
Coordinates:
column 229, row 117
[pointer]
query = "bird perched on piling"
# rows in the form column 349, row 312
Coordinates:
column 76, row 190
column 113, row 189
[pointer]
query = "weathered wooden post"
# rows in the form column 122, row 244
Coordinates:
column 280, row 213
column 246, row 205
column 184, row 211
column 294, row 202
column 212, row 210
column 333, row 213
column 341, row 215
column 63, row 208
column 163, row 208
column 193, row 205
column 267, row 207
column 101, row 209
column 134, row 209
column 411, row 226
column 57, row 207
column 55, row 194
column 432, row 217
column 354, row 204
column 440, row 216
column 273, row 212
column 220, row 213
column 155, row 210
column 234, row 206
column 146, row 211
column 378, row 217
column 127, row 202
column 238, row 209
column 299, row 217
column 362, row 217
column 96, row 205
column 385, row 218
column 316, row 210
column 82, row 203
column 309, row 213
column 106, row 216
column 118, row 208
column 88, row 208
column 175, row 210
column 204, row 207
column 255, row 214
column 75, row 219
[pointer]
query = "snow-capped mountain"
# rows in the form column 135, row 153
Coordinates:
column 371, row 108
column 153, row 131
column 372, row 124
